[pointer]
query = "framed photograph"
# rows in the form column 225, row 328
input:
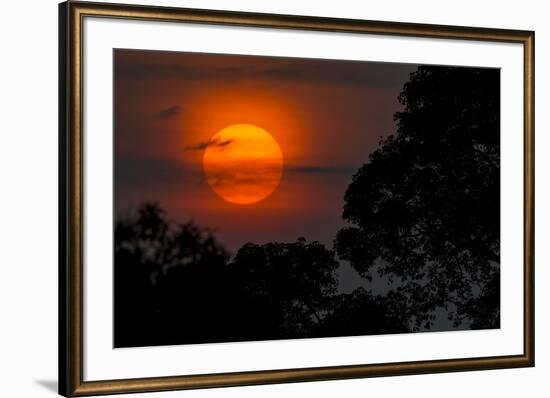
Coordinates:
column 251, row 198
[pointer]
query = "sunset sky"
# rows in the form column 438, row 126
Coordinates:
column 326, row 117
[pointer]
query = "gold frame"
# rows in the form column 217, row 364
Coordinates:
column 71, row 382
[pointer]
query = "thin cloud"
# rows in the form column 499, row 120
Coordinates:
column 169, row 112
column 322, row 169
column 212, row 143
column 290, row 70
column 136, row 172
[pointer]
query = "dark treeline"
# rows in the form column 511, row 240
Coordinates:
column 423, row 214
column 175, row 284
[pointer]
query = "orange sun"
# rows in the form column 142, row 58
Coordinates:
column 243, row 164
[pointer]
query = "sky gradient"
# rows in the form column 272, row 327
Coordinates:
column 327, row 117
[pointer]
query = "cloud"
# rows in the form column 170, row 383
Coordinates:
column 269, row 174
column 154, row 173
column 212, row 143
column 169, row 112
column 240, row 68
column 260, row 176
column 322, row 169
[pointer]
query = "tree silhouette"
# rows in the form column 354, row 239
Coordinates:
column 165, row 273
column 174, row 284
column 425, row 208
column 289, row 284
column 360, row 313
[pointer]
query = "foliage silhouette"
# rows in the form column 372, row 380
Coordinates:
column 174, row 284
column 161, row 271
column 360, row 313
column 425, row 208
column 291, row 283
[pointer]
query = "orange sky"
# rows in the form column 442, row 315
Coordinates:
column 326, row 116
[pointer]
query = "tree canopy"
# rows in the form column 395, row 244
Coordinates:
column 425, row 208
column 174, row 284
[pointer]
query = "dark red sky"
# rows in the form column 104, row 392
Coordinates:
column 327, row 116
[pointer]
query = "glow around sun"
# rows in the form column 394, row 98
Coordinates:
column 243, row 164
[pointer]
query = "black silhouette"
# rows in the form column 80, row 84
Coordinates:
column 174, row 284
column 288, row 284
column 425, row 217
column 164, row 275
column 360, row 313
column 426, row 206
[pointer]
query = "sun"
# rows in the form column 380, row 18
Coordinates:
column 243, row 164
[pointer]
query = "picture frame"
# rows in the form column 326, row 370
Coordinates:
column 74, row 244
